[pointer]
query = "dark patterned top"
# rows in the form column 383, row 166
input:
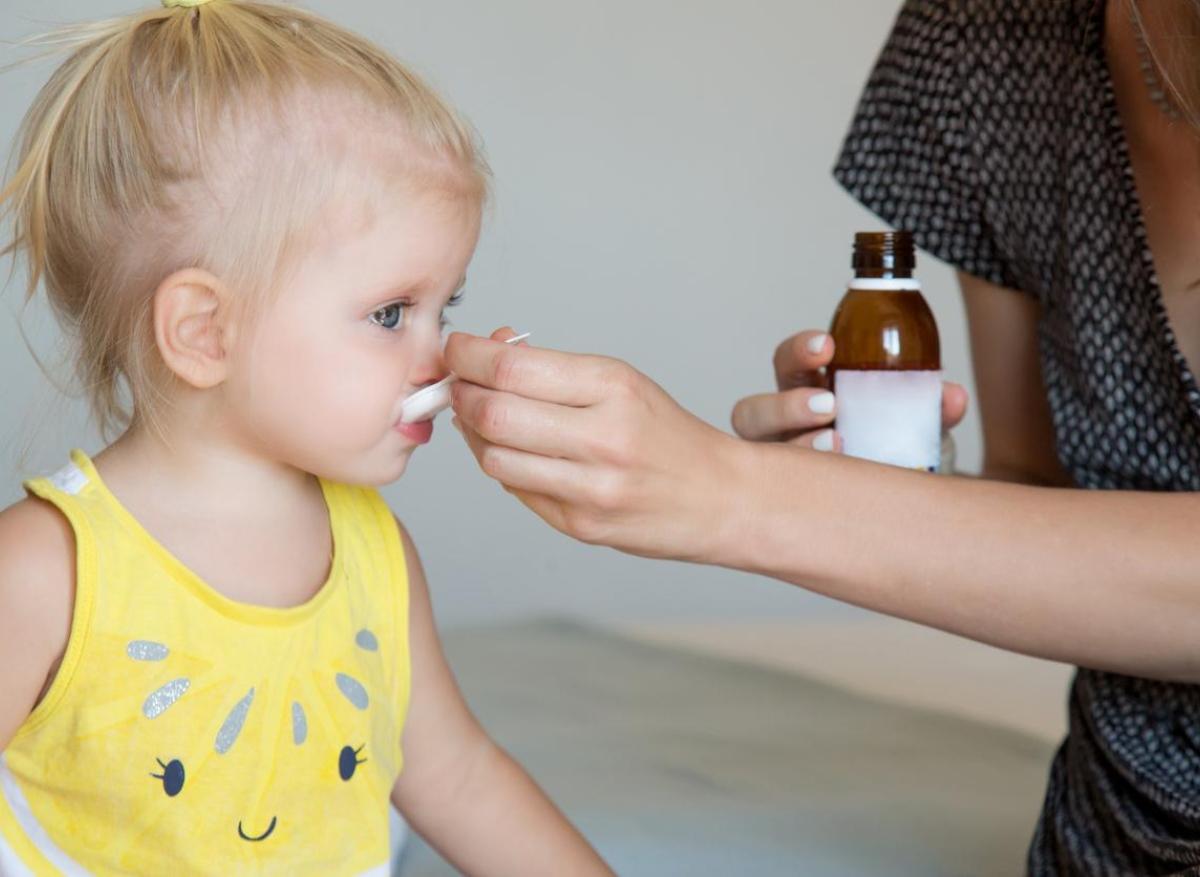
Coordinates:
column 990, row 129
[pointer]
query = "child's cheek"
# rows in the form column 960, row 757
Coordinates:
column 321, row 390
column 354, row 400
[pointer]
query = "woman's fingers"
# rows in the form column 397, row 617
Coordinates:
column 799, row 359
column 775, row 416
column 819, row 440
column 504, row 333
column 561, row 493
column 547, row 477
column 523, row 424
column 954, row 405
column 565, row 379
column 771, row 416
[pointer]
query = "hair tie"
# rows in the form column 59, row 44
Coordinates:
column 171, row 4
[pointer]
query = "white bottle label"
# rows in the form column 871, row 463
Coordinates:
column 892, row 417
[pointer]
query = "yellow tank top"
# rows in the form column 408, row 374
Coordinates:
column 186, row 733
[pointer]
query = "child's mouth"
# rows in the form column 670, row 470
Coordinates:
column 419, row 433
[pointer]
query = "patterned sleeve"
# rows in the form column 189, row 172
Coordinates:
column 908, row 155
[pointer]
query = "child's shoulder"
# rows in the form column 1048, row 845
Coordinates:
column 37, row 584
column 36, row 541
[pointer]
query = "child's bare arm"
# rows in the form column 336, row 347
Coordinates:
column 37, row 583
column 467, row 797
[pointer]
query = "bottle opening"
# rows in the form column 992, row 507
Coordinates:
column 884, row 254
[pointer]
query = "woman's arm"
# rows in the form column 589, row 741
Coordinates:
column 1102, row 579
column 459, row 790
column 1018, row 436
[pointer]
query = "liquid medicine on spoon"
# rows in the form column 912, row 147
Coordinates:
column 887, row 371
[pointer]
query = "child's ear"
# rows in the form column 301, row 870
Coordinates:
column 193, row 326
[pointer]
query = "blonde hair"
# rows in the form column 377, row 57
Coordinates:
column 208, row 137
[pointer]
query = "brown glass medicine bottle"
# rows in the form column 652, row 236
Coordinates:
column 886, row 368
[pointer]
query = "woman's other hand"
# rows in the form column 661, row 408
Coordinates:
column 802, row 412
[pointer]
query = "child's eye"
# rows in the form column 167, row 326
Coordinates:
column 455, row 301
column 389, row 316
column 172, row 776
column 348, row 761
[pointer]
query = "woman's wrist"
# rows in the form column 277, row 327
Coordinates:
column 744, row 501
column 803, row 516
column 705, row 514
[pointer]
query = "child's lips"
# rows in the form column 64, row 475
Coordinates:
column 419, row 433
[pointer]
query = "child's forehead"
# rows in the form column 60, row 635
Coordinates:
column 393, row 215
column 420, row 239
column 362, row 186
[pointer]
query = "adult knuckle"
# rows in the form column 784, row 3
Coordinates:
column 612, row 446
column 505, row 368
column 740, row 419
column 620, row 379
column 582, row 525
column 492, row 418
column 791, row 409
column 787, row 355
column 623, row 448
column 780, row 359
column 609, row 493
column 491, row 461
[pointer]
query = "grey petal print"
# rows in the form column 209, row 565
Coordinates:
column 232, row 726
column 145, row 650
column 353, row 690
column 163, row 697
column 299, row 724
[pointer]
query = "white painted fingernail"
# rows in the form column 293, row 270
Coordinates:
column 816, row 343
column 823, row 441
column 821, row 403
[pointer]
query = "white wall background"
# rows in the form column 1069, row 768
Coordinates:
column 663, row 195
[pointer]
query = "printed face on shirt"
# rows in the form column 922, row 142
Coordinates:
column 259, row 770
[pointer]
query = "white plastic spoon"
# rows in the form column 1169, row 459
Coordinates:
column 427, row 402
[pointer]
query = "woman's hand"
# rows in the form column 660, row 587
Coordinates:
column 595, row 447
column 803, row 410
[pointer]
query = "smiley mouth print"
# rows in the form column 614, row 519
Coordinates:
column 266, row 834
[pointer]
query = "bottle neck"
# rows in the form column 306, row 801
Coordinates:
column 881, row 272
column 883, row 255
column 885, row 284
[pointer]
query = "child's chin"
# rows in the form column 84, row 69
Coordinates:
column 396, row 469
column 375, row 473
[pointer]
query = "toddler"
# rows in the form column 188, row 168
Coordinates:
column 217, row 654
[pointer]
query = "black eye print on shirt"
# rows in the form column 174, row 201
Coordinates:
column 172, row 776
column 348, row 761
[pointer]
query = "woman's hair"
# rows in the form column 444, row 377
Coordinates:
column 1176, row 55
column 212, row 137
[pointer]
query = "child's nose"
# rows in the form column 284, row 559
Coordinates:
column 428, row 365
